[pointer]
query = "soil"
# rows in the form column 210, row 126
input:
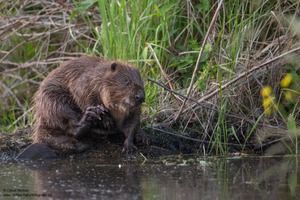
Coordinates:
column 159, row 144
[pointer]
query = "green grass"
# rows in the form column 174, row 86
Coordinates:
column 13, row 118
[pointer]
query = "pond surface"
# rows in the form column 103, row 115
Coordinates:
column 210, row 178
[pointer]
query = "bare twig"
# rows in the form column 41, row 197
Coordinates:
column 181, row 95
column 11, row 93
column 199, row 58
column 48, row 61
column 20, row 118
column 243, row 74
column 201, row 104
column 160, row 67
column 47, row 30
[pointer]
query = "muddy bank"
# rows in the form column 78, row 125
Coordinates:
column 158, row 144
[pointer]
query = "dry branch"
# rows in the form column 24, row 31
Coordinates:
column 243, row 75
column 199, row 58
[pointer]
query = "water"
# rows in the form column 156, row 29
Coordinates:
column 91, row 178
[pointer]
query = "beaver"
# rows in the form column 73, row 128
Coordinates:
column 84, row 97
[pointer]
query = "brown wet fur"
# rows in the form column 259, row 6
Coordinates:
column 69, row 94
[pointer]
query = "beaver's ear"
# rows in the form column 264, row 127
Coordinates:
column 113, row 66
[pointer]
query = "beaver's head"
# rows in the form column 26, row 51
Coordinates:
column 124, row 88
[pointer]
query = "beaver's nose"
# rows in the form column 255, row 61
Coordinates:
column 140, row 97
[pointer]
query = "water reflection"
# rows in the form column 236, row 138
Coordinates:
column 231, row 178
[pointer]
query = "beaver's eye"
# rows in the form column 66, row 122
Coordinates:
column 128, row 82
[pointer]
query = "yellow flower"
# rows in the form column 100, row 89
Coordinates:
column 266, row 91
column 267, row 102
column 286, row 81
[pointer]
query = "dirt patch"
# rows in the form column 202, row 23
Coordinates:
column 158, row 144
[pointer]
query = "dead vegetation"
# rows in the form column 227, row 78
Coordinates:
column 35, row 37
column 231, row 111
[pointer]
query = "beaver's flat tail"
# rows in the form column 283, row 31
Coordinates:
column 37, row 151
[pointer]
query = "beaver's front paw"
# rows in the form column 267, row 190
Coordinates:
column 92, row 115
